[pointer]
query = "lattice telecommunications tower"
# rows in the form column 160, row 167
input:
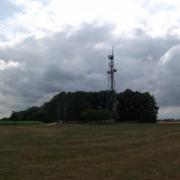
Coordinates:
column 112, row 96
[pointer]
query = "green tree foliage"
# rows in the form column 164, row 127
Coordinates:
column 28, row 114
column 76, row 106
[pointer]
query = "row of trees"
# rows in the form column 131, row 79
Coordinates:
column 92, row 106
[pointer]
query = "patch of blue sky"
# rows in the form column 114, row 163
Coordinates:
column 7, row 9
column 45, row 2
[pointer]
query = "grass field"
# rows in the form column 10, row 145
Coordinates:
column 125, row 151
column 7, row 122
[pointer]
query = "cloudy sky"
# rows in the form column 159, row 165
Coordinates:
column 48, row 46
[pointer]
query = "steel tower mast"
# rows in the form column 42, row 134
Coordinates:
column 111, row 96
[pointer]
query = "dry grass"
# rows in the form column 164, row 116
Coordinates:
column 125, row 151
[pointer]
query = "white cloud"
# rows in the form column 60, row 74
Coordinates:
column 170, row 56
column 8, row 64
column 157, row 18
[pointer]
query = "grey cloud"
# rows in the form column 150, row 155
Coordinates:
column 77, row 60
column 168, row 78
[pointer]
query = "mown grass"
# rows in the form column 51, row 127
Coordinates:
column 125, row 151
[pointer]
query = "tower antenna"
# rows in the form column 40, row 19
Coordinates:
column 112, row 96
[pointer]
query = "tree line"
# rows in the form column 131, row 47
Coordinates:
column 132, row 106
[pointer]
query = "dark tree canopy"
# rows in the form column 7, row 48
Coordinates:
column 132, row 106
column 93, row 115
column 136, row 106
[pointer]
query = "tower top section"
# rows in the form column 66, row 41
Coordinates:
column 111, row 57
column 111, row 71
